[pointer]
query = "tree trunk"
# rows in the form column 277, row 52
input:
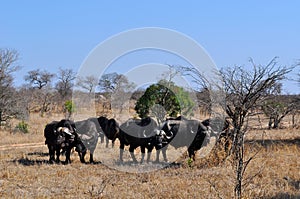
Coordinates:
column 293, row 120
column 276, row 123
column 239, row 157
column 270, row 122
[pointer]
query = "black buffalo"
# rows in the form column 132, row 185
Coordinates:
column 185, row 133
column 61, row 135
column 89, row 135
column 107, row 127
column 140, row 133
column 225, row 134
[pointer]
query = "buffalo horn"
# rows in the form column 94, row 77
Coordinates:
column 85, row 137
column 144, row 134
column 64, row 129
column 168, row 137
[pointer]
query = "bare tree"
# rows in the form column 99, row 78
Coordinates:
column 118, row 88
column 244, row 90
column 87, row 83
column 38, row 79
column 108, row 82
column 8, row 97
column 40, row 92
column 65, row 82
column 202, row 86
column 38, row 100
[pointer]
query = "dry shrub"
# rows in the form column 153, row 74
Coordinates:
column 217, row 156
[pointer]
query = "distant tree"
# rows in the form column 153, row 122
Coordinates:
column 8, row 94
column 87, row 83
column 162, row 99
column 40, row 91
column 276, row 109
column 117, row 88
column 38, row 79
column 65, row 82
column 38, row 100
column 111, row 82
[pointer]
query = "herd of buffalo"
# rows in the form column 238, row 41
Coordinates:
column 62, row 136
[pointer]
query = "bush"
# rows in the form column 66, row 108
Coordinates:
column 23, row 127
column 69, row 108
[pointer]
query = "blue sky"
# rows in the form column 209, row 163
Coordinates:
column 57, row 34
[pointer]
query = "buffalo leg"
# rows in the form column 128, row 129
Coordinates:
column 191, row 153
column 51, row 154
column 148, row 156
column 68, row 154
column 102, row 138
column 92, row 155
column 113, row 143
column 57, row 150
column 157, row 156
column 91, row 158
column 143, row 154
column 121, row 151
column 164, row 152
column 131, row 150
column 107, row 142
column 149, row 153
column 81, row 156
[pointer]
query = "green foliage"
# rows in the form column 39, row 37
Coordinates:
column 190, row 162
column 23, row 127
column 69, row 107
column 273, row 107
column 164, row 98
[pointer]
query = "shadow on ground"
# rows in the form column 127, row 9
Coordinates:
column 283, row 196
column 31, row 162
column 267, row 142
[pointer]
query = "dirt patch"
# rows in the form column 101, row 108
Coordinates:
column 23, row 145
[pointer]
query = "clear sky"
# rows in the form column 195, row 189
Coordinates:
column 53, row 34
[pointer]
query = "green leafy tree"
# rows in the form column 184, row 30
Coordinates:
column 69, row 108
column 162, row 99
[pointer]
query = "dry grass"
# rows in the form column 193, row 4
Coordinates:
column 25, row 173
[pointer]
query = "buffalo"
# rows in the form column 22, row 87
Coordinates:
column 108, row 127
column 142, row 133
column 89, row 135
column 185, row 133
column 61, row 135
column 226, row 133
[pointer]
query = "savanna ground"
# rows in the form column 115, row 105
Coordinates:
column 25, row 173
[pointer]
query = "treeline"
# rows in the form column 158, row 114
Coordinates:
column 44, row 92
